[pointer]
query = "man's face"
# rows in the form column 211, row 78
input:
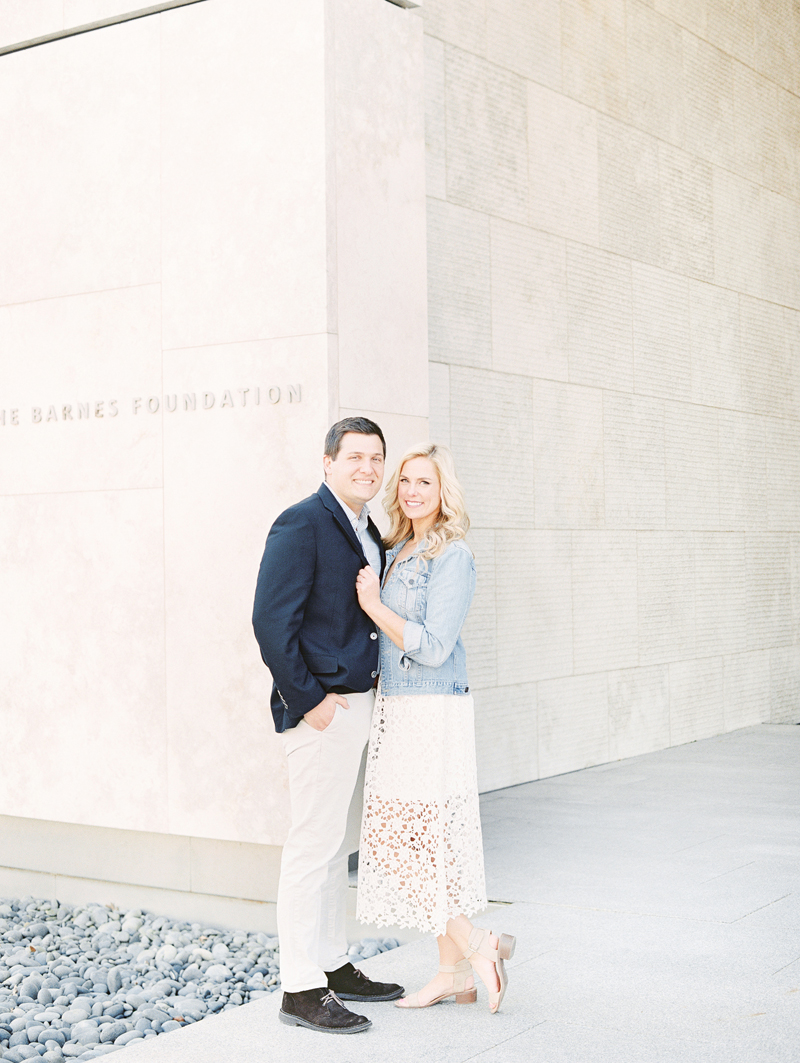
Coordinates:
column 356, row 473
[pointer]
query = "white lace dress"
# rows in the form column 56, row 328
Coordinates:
column 421, row 855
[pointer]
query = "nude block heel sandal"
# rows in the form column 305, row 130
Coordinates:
column 461, row 972
column 479, row 943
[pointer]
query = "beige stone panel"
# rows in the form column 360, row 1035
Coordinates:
column 568, row 456
column 228, row 472
column 529, row 301
column 777, row 41
column 720, row 593
column 243, row 171
column 738, row 234
column 439, row 416
column 780, row 239
column 662, row 364
column 599, row 297
column 783, row 474
column 234, row 869
column 715, row 346
column 562, row 165
column 77, row 364
column 784, row 701
column 747, row 689
column 435, row 123
column 768, row 375
column 604, row 601
column 463, row 25
column 480, row 629
column 769, row 590
column 794, row 568
column 79, row 12
column 80, row 851
column 492, row 418
column 593, row 54
column 783, row 169
column 380, row 208
column 688, row 13
column 696, row 700
column 731, row 27
column 633, row 461
column 655, row 73
column 534, row 605
column 710, row 130
column 686, row 213
column 22, row 20
column 573, row 723
column 629, row 191
column 506, row 736
column 667, row 596
column 742, row 472
column 691, row 458
column 459, row 286
column 84, row 644
column 638, row 711
column 792, row 333
column 758, row 134
column 487, row 136
column 526, row 38
column 79, row 128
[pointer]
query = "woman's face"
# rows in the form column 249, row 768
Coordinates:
column 419, row 491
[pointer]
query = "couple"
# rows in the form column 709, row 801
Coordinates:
column 334, row 609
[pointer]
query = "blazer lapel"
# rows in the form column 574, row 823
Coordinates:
column 336, row 511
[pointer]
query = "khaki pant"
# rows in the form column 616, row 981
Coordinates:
column 326, row 783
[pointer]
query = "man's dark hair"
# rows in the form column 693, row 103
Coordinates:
column 362, row 425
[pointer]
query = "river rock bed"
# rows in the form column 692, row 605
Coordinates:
column 80, row 981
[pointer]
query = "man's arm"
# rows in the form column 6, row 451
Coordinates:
column 285, row 580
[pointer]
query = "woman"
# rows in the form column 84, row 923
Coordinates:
column 421, row 854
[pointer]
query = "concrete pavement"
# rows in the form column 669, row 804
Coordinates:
column 656, row 903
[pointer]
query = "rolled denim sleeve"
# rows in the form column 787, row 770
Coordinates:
column 450, row 590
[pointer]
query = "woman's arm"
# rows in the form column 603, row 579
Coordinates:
column 368, row 589
column 451, row 587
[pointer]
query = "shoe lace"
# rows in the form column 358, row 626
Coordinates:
column 331, row 998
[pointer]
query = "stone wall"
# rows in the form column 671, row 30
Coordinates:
column 614, row 335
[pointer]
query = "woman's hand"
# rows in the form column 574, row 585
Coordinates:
column 368, row 589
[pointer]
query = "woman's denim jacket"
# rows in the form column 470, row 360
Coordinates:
column 434, row 597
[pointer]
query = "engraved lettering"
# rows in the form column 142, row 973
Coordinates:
column 83, row 410
column 51, row 414
column 153, row 403
column 36, row 414
column 15, row 416
column 98, row 408
column 208, row 400
column 294, row 393
column 2, row 417
column 243, row 393
column 112, row 408
column 189, row 401
column 174, row 406
column 258, row 396
column 136, row 404
column 66, row 413
column 227, row 399
column 274, row 395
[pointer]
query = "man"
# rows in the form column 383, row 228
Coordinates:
column 322, row 650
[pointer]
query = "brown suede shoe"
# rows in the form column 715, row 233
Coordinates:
column 349, row 983
column 320, row 1009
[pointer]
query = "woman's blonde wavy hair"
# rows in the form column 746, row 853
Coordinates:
column 452, row 522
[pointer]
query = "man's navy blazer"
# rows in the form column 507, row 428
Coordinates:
column 314, row 636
